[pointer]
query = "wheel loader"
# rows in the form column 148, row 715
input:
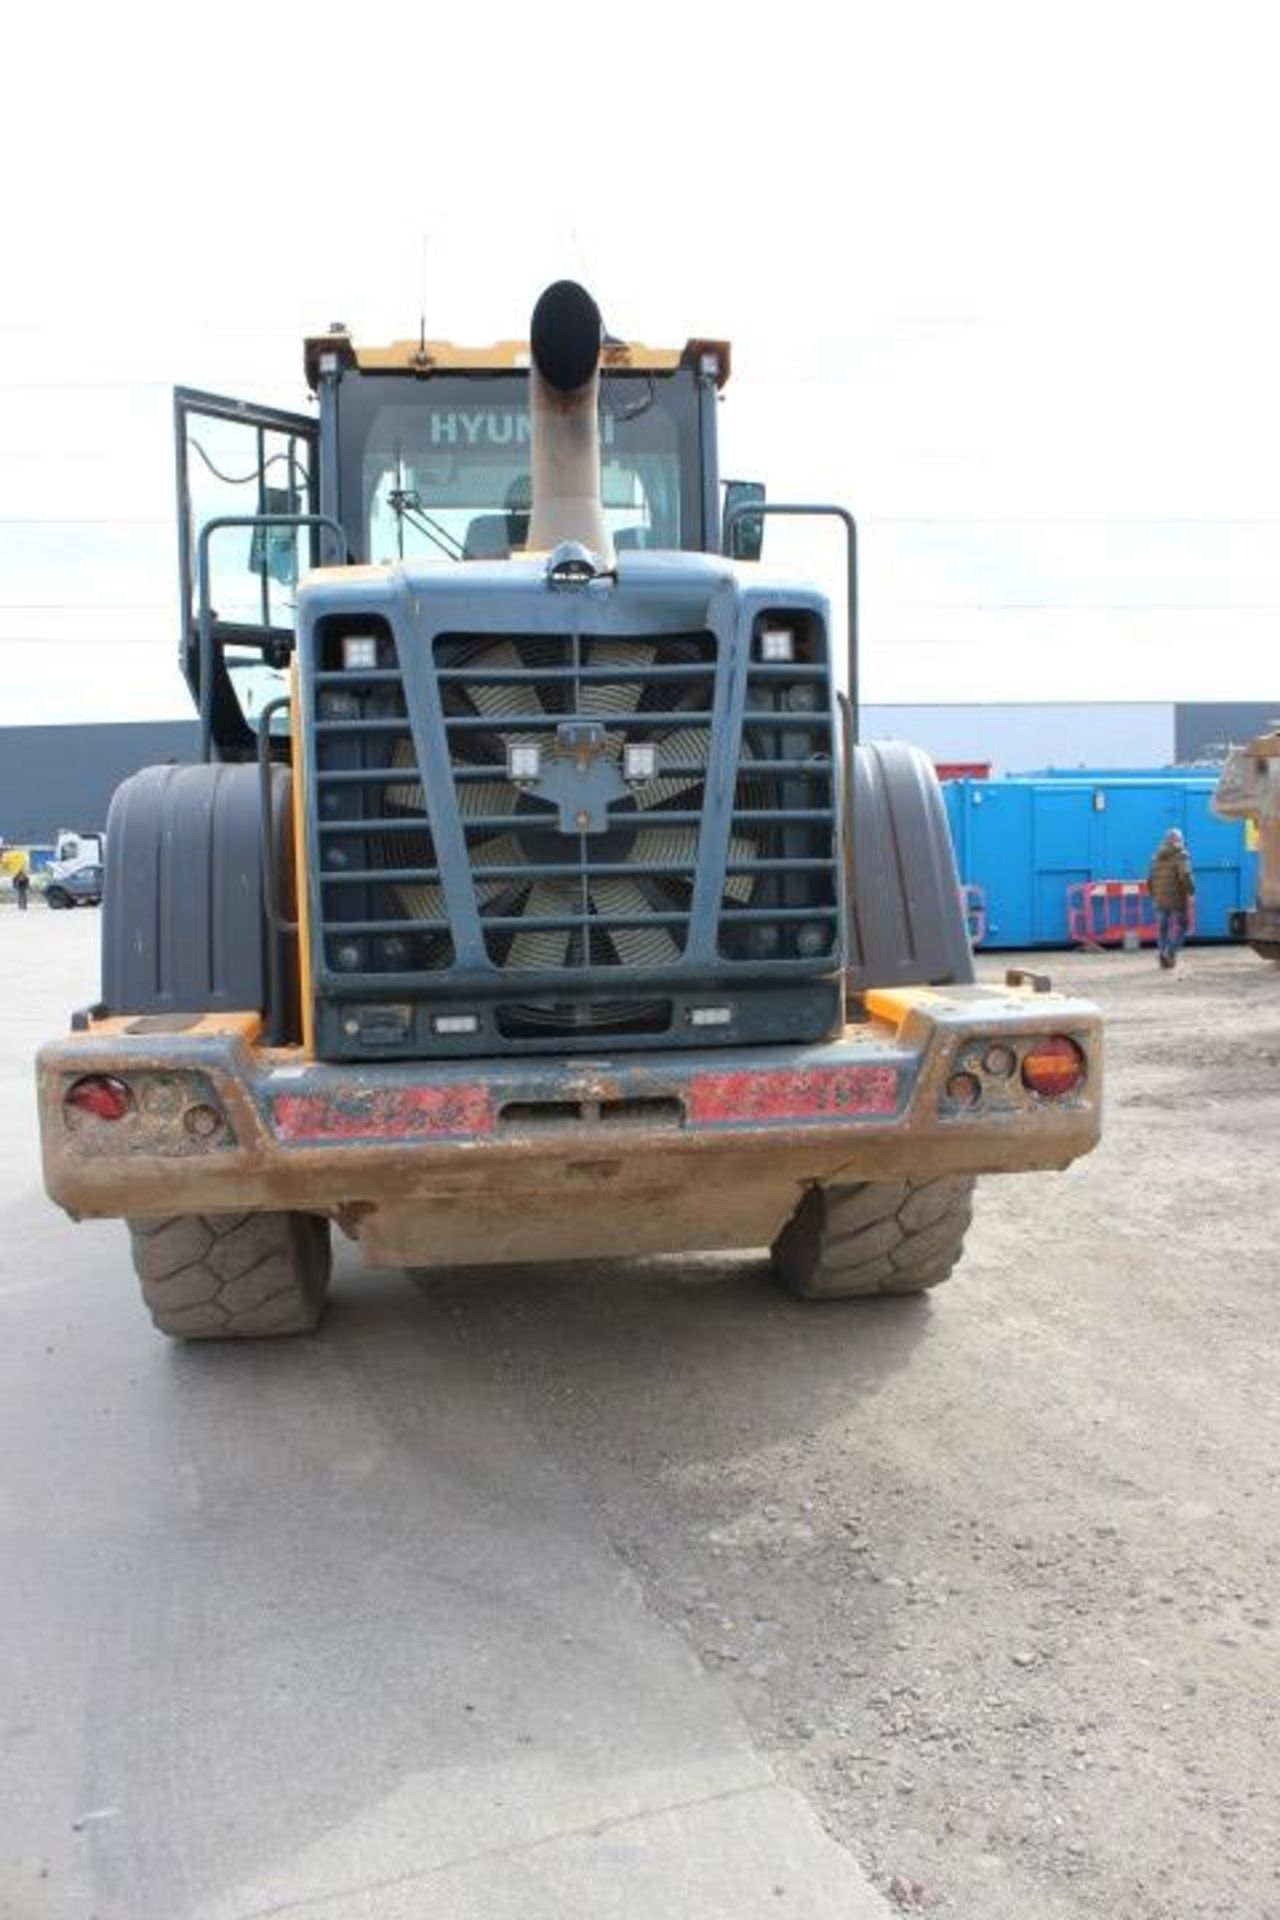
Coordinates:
column 533, row 897
column 1249, row 790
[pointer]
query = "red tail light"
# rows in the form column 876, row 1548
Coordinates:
column 1053, row 1067
column 102, row 1095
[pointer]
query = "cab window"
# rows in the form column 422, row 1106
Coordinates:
column 441, row 468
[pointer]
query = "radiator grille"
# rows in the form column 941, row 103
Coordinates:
column 608, row 893
column 784, row 810
column 552, row 900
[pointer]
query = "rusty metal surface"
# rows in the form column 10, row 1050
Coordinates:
column 799, row 1093
column 524, row 1159
column 356, row 1112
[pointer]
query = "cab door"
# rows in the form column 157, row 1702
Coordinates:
column 254, row 466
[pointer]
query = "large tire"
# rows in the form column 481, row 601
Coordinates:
column 55, row 897
column 233, row 1276
column 885, row 1236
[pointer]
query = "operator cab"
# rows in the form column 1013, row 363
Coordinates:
column 418, row 452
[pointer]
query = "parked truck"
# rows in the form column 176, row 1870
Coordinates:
column 534, row 897
column 73, row 877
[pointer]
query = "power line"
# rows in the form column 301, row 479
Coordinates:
column 1068, row 520
column 84, row 606
column 865, row 520
column 84, row 520
column 1088, row 606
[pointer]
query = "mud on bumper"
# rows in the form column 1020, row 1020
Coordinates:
column 483, row 1161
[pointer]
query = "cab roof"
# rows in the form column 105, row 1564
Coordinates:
column 427, row 357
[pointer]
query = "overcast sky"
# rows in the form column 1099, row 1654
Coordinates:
column 1000, row 278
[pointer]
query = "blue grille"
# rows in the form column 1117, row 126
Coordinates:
column 678, row 825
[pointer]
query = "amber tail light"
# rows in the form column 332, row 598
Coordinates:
column 1053, row 1067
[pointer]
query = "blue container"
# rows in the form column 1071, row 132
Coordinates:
column 1024, row 840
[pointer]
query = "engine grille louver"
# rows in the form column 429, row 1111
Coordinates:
column 561, row 913
column 574, row 901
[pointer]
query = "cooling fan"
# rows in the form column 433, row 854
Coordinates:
column 523, row 830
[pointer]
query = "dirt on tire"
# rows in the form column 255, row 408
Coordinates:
column 233, row 1276
column 882, row 1236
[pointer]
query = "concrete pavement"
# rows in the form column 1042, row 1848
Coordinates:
column 320, row 1627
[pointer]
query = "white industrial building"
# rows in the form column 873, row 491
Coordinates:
column 1025, row 737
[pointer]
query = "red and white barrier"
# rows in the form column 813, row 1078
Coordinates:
column 1114, row 913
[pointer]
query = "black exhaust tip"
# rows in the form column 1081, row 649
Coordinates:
column 565, row 335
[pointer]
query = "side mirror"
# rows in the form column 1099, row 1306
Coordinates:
column 744, row 534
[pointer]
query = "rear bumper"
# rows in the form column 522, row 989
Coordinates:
column 483, row 1161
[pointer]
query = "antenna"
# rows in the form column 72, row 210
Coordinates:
column 421, row 356
column 586, row 270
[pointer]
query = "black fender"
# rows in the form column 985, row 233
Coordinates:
column 906, row 921
column 185, row 926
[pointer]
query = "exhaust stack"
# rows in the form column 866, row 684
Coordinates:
column 564, row 380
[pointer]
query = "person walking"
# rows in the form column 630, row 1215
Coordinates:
column 21, row 882
column 1171, row 884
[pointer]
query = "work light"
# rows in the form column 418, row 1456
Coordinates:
column 523, row 762
column 640, row 760
column 359, row 652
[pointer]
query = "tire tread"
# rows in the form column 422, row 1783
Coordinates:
column 234, row 1276
column 880, row 1237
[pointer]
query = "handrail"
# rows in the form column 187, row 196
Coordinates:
column 747, row 508
column 277, row 924
column 202, row 578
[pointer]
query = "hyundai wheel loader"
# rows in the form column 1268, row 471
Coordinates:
column 533, row 897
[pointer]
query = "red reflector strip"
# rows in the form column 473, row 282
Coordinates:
column 382, row 1113
column 814, row 1093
